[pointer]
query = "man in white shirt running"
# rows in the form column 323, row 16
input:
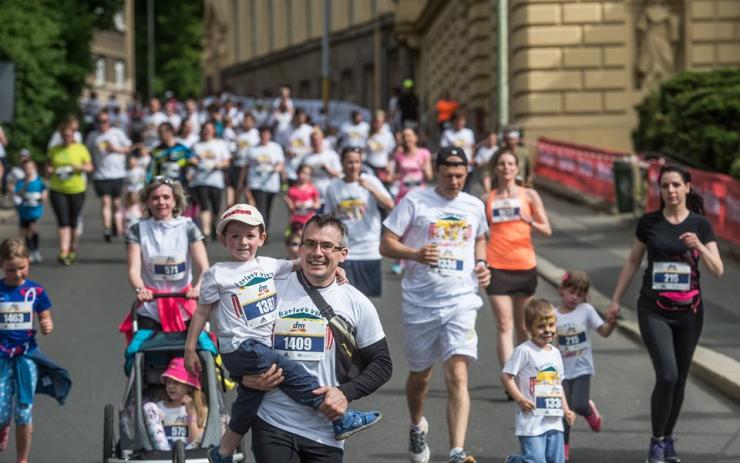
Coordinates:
column 441, row 233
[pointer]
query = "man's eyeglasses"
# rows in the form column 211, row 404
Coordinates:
column 325, row 246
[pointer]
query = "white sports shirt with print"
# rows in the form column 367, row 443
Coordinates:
column 210, row 153
column 108, row 164
column 246, row 295
column 359, row 210
column 296, row 310
column 424, row 216
column 527, row 361
column 263, row 161
column 574, row 339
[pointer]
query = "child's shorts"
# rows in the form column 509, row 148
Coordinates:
column 9, row 405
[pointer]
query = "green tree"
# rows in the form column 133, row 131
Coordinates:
column 178, row 35
column 49, row 42
column 695, row 118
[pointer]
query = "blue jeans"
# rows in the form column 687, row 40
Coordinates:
column 252, row 358
column 545, row 448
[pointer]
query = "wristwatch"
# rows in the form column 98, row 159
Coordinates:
column 481, row 261
column 138, row 290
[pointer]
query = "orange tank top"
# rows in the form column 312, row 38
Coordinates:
column 510, row 244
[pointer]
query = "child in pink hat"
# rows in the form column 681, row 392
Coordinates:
column 181, row 416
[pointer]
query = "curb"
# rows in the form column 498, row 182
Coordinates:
column 716, row 369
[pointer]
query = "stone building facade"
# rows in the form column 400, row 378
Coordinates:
column 114, row 59
column 576, row 68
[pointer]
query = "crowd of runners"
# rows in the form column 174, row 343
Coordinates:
column 182, row 173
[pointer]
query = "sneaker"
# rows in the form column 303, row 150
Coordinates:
column 397, row 269
column 594, row 419
column 4, row 432
column 64, row 260
column 669, row 451
column 566, row 451
column 108, row 235
column 353, row 422
column 39, row 258
column 657, row 452
column 72, row 257
column 461, row 457
column 215, row 457
column 418, row 449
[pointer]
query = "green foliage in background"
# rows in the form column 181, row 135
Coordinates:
column 49, row 42
column 178, row 35
column 695, row 118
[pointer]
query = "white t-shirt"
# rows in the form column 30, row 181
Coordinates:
column 379, row 148
column 354, row 135
column 297, row 320
column 151, row 124
column 244, row 142
column 463, row 138
column 175, row 120
column 299, row 143
column 56, row 139
column 175, row 422
column 424, row 216
column 319, row 176
column 484, row 154
column 246, row 297
column 190, row 140
column 262, row 161
column 359, row 210
column 211, row 153
column 194, row 119
column 574, row 339
column 108, row 165
column 535, row 366
column 283, row 127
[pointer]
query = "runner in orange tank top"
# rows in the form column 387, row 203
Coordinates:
column 512, row 212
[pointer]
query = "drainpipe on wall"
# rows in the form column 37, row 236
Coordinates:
column 325, row 77
column 503, row 63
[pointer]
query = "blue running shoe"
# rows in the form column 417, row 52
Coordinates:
column 215, row 457
column 669, row 451
column 353, row 422
column 657, row 453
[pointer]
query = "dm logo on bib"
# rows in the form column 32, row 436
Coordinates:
column 300, row 334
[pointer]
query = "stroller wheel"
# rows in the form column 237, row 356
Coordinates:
column 108, row 436
column 178, row 452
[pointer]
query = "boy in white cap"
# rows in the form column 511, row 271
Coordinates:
column 242, row 293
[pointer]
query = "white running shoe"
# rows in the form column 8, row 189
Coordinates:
column 418, row 449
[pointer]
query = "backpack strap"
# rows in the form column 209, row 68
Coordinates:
column 318, row 300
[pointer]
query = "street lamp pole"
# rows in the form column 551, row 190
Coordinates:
column 325, row 78
column 150, row 45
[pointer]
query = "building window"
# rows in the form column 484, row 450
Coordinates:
column 119, row 69
column 309, row 17
column 346, row 85
column 304, row 89
column 100, row 72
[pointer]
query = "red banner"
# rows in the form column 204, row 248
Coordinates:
column 584, row 168
column 721, row 195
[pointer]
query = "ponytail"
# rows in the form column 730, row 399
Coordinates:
column 200, row 408
column 694, row 201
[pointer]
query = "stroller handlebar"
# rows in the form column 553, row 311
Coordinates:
column 136, row 303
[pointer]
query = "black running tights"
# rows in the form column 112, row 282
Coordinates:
column 670, row 338
column 577, row 392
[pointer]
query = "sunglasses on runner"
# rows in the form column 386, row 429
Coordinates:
column 325, row 246
column 162, row 180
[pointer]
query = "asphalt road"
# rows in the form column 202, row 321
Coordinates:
column 91, row 298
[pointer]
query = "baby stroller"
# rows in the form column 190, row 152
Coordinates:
column 147, row 356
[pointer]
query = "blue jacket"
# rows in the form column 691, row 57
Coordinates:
column 53, row 380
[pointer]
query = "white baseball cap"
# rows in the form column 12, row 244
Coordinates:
column 240, row 212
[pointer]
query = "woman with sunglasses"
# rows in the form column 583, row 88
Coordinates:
column 166, row 254
column 670, row 308
column 68, row 164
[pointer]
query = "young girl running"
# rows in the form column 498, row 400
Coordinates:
column 181, row 416
column 576, row 318
column 21, row 298
column 302, row 199
column 30, row 195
